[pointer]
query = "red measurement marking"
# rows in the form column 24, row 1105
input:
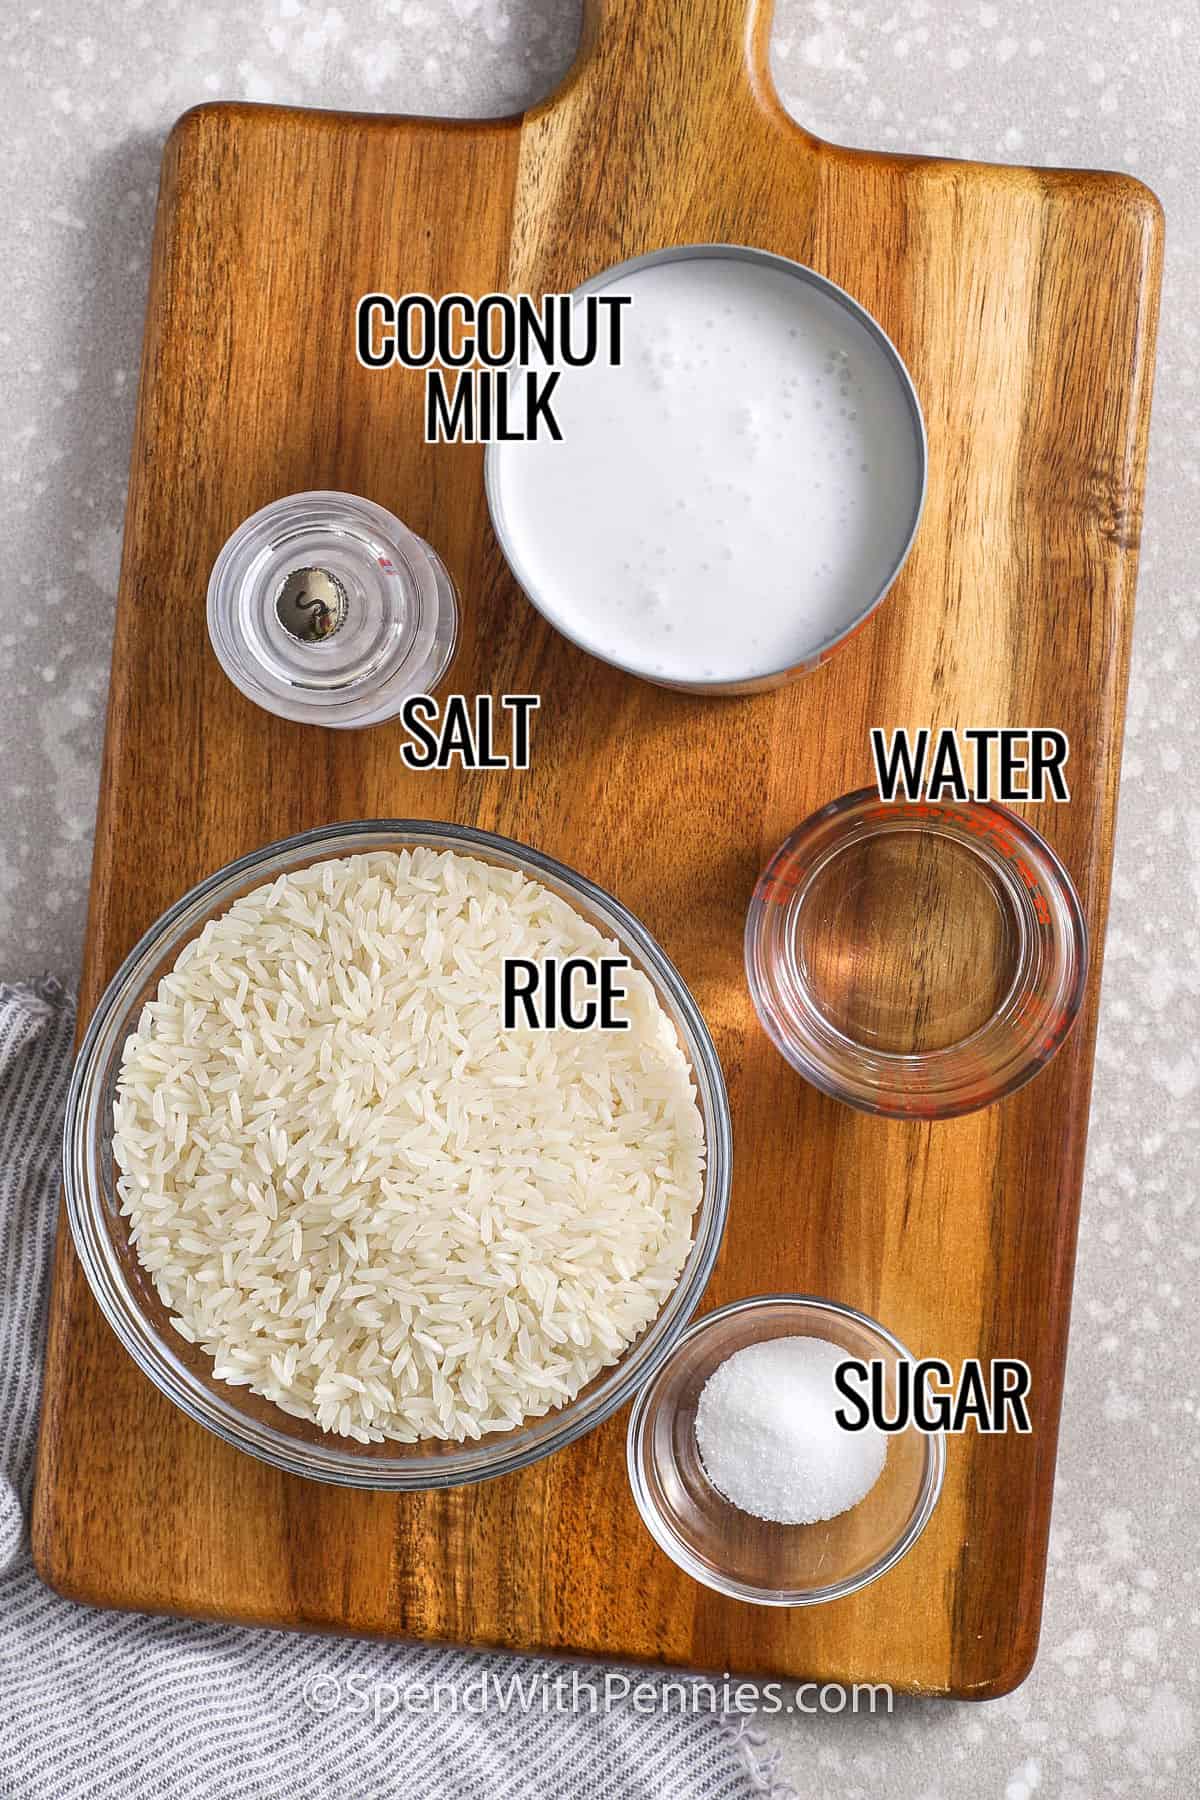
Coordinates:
column 777, row 884
column 1056, row 1030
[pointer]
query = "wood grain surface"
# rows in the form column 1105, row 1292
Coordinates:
column 1024, row 303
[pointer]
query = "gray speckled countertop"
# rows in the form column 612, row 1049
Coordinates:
column 1113, row 1706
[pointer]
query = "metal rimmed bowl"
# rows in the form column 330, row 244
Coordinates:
column 899, row 485
column 182, row 1371
column 752, row 1559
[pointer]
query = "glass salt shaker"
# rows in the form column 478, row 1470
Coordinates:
column 325, row 609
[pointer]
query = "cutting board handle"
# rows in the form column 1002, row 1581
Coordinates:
column 685, row 55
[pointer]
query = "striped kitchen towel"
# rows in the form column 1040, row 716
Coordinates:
column 131, row 1708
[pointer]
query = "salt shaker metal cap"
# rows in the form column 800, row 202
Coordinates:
column 326, row 609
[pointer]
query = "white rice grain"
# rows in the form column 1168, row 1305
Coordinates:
column 366, row 1201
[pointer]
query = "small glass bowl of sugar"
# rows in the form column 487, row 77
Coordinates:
column 742, row 1474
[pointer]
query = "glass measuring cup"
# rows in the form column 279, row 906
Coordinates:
column 916, row 958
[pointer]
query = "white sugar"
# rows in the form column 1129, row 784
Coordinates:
column 769, row 1439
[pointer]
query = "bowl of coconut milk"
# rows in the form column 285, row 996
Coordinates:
column 735, row 496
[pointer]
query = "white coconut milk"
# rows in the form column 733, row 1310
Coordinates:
column 731, row 498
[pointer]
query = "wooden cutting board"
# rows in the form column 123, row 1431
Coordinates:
column 1024, row 303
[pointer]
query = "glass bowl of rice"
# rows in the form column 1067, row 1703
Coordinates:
column 339, row 1217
